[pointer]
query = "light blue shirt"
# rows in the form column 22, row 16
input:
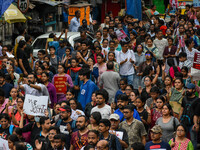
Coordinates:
column 74, row 25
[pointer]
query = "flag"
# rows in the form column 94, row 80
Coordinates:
column 134, row 8
column 4, row 4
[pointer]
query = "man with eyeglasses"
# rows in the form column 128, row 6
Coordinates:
column 157, row 143
column 126, row 60
column 135, row 128
column 102, row 145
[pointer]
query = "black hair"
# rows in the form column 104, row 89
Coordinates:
column 4, row 116
column 95, row 132
column 92, row 59
column 155, row 89
column 188, row 42
column 21, row 97
column 178, row 78
column 104, row 40
column 142, row 98
column 112, row 42
column 122, row 97
column 125, row 80
column 27, row 37
column 21, row 44
column 9, row 47
column 51, row 35
column 105, row 28
column 96, row 116
column 184, row 127
column 101, row 55
column 57, row 129
column 59, row 137
column 129, row 107
column 149, row 52
column 168, row 76
column 136, row 92
column 138, row 146
column 21, row 29
column 169, row 107
column 47, row 74
column 110, row 65
column 43, row 119
column 161, row 98
column 131, row 86
column 123, row 43
column 178, row 74
column 13, row 138
column 42, row 51
column 185, row 68
column 18, row 131
column 2, row 93
column 86, row 119
column 71, row 91
column 147, row 71
column 182, row 54
column 106, row 122
column 104, row 93
column 76, row 12
column 20, row 146
column 170, row 62
column 85, row 72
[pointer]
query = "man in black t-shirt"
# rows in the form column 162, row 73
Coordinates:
column 23, row 58
column 188, row 107
column 66, row 124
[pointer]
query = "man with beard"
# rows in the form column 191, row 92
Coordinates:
column 157, row 143
column 141, row 38
column 66, row 124
column 79, row 138
column 102, row 107
column 59, row 142
column 120, row 133
column 93, row 138
column 188, row 110
column 104, row 126
column 135, row 129
column 6, row 87
column 122, row 101
column 32, row 87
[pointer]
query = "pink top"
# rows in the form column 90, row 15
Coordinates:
column 171, row 71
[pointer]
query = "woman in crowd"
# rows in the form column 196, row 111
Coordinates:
column 133, row 95
column 94, row 121
column 69, row 83
column 75, row 112
column 152, row 48
column 186, row 78
column 167, row 122
column 90, row 105
column 50, row 87
column 180, row 141
column 157, row 112
column 46, row 66
column 175, row 96
column 111, row 57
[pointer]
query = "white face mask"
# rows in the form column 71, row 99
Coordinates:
column 152, row 22
column 37, row 119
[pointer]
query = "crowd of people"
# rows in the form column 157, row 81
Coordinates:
column 133, row 93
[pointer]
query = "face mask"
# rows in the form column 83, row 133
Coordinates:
column 189, row 93
column 37, row 119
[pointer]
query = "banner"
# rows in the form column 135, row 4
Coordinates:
column 4, row 4
column 134, row 8
column 3, row 144
column 196, row 3
column 196, row 62
column 174, row 4
column 35, row 105
column 60, row 84
column 121, row 35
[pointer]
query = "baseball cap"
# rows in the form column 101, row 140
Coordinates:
column 190, row 86
column 65, row 108
column 156, row 129
column 114, row 116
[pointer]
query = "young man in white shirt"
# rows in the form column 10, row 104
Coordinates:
column 126, row 60
column 102, row 107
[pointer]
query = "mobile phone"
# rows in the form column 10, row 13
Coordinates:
column 50, row 39
column 10, row 99
column 7, row 65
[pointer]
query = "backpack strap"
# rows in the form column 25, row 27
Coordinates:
column 59, row 122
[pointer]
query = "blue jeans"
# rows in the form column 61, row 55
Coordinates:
column 129, row 78
column 193, row 137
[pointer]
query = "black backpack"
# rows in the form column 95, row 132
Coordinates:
column 188, row 112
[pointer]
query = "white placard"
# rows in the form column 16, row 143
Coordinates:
column 3, row 144
column 195, row 74
column 35, row 105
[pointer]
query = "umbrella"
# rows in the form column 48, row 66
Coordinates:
column 13, row 15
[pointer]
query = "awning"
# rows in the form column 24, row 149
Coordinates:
column 13, row 15
column 51, row 3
